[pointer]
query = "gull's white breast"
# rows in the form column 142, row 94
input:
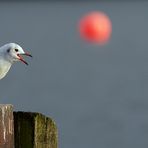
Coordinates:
column 4, row 67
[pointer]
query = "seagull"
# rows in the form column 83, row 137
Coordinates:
column 9, row 54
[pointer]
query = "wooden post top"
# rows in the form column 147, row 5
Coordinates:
column 6, row 126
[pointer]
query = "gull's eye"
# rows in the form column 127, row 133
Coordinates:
column 16, row 50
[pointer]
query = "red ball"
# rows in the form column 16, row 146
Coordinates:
column 95, row 27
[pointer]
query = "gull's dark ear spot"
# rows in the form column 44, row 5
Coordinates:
column 8, row 50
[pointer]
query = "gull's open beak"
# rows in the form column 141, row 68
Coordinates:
column 22, row 59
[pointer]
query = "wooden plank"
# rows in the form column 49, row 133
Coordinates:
column 6, row 126
column 34, row 130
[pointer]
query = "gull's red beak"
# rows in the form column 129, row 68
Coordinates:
column 22, row 59
column 27, row 54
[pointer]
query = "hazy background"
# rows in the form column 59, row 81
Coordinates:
column 98, row 96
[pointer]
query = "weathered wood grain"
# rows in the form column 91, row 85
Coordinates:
column 6, row 126
column 34, row 130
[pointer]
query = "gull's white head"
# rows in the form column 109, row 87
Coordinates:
column 10, row 53
column 13, row 52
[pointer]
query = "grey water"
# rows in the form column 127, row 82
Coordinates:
column 97, row 95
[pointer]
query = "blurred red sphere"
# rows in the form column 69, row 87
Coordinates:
column 95, row 27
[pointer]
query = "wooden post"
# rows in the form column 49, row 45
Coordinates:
column 34, row 130
column 6, row 126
